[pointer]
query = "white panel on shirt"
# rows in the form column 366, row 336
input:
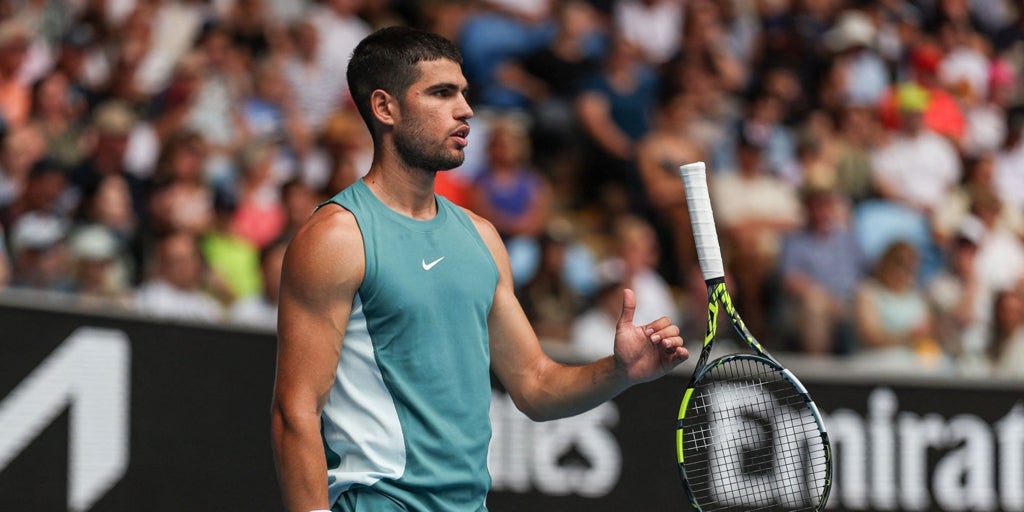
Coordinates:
column 363, row 426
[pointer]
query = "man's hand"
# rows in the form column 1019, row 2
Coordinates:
column 646, row 352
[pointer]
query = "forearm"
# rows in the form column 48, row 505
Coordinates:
column 301, row 464
column 562, row 390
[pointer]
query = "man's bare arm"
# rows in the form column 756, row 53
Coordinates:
column 545, row 389
column 323, row 268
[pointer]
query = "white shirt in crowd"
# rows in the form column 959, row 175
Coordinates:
column 161, row 299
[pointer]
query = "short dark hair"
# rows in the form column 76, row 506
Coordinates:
column 387, row 59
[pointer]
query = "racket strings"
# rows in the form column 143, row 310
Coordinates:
column 751, row 442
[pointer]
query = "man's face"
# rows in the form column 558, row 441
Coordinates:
column 432, row 125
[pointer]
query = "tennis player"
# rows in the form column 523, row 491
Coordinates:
column 396, row 305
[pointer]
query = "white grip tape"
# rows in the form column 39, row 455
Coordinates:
column 698, row 201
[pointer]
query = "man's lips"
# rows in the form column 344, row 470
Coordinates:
column 461, row 136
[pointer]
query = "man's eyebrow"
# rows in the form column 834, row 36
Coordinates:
column 447, row 86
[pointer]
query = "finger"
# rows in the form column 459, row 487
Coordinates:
column 628, row 307
column 670, row 344
column 680, row 355
column 658, row 324
column 664, row 333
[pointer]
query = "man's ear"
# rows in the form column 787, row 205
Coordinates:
column 383, row 106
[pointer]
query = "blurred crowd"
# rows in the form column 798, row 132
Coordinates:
column 865, row 159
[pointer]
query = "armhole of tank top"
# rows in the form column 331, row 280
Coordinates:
column 361, row 291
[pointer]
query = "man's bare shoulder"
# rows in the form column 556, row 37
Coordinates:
column 327, row 249
column 492, row 239
column 328, row 225
column 484, row 226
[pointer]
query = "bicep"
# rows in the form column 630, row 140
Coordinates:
column 321, row 272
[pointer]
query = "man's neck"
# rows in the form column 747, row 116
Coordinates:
column 409, row 192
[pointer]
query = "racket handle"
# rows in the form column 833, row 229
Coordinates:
column 698, row 201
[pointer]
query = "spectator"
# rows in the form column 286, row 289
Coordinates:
column 635, row 260
column 939, row 110
column 299, row 201
column 1009, row 161
column 979, row 177
column 654, row 26
column 659, row 156
column 1000, row 260
column 853, row 43
column 962, row 307
column 343, row 154
column 47, row 185
column 21, row 148
column 716, row 108
column 548, row 297
column 984, row 112
column 318, row 86
column 232, row 258
column 707, row 39
column 172, row 28
column 181, row 200
column 742, row 26
column 791, row 37
column 99, row 277
column 15, row 94
column 895, row 328
column 964, row 69
column 508, row 191
column 252, row 25
column 820, row 267
column 551, row 75
column 261, row 309
column 761, row 209
column 172, row 106
column 260, row 217
column 512, row 195
column 177, row 285
column 815, row 160
column 271, row 112
column 489, row 38
column 109, row 203
column 614, row 107
column 129, row 48
column 917, row 166
column 57, row 111
column 82, row 58
column 1004, row 355
column 763, row 123
column 215, row 110
column 39, row 253
column 339, row 28
column 859, row 133
column 112, row 124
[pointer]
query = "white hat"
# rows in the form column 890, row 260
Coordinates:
column 854, row 28
column 35, row 230
column 971, row 229
column 93, row 243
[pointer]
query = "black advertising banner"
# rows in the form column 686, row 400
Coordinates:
column 897, row 446
column 104, row 414
column 100, row 413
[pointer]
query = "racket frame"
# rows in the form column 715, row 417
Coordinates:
column 710, row 259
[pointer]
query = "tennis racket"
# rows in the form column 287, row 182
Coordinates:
column 749, row 436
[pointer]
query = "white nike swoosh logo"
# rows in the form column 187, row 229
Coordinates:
column 428, row 266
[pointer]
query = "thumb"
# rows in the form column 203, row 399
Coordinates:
column 628, row 307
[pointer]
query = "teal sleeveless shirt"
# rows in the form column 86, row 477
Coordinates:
column 406, row 423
